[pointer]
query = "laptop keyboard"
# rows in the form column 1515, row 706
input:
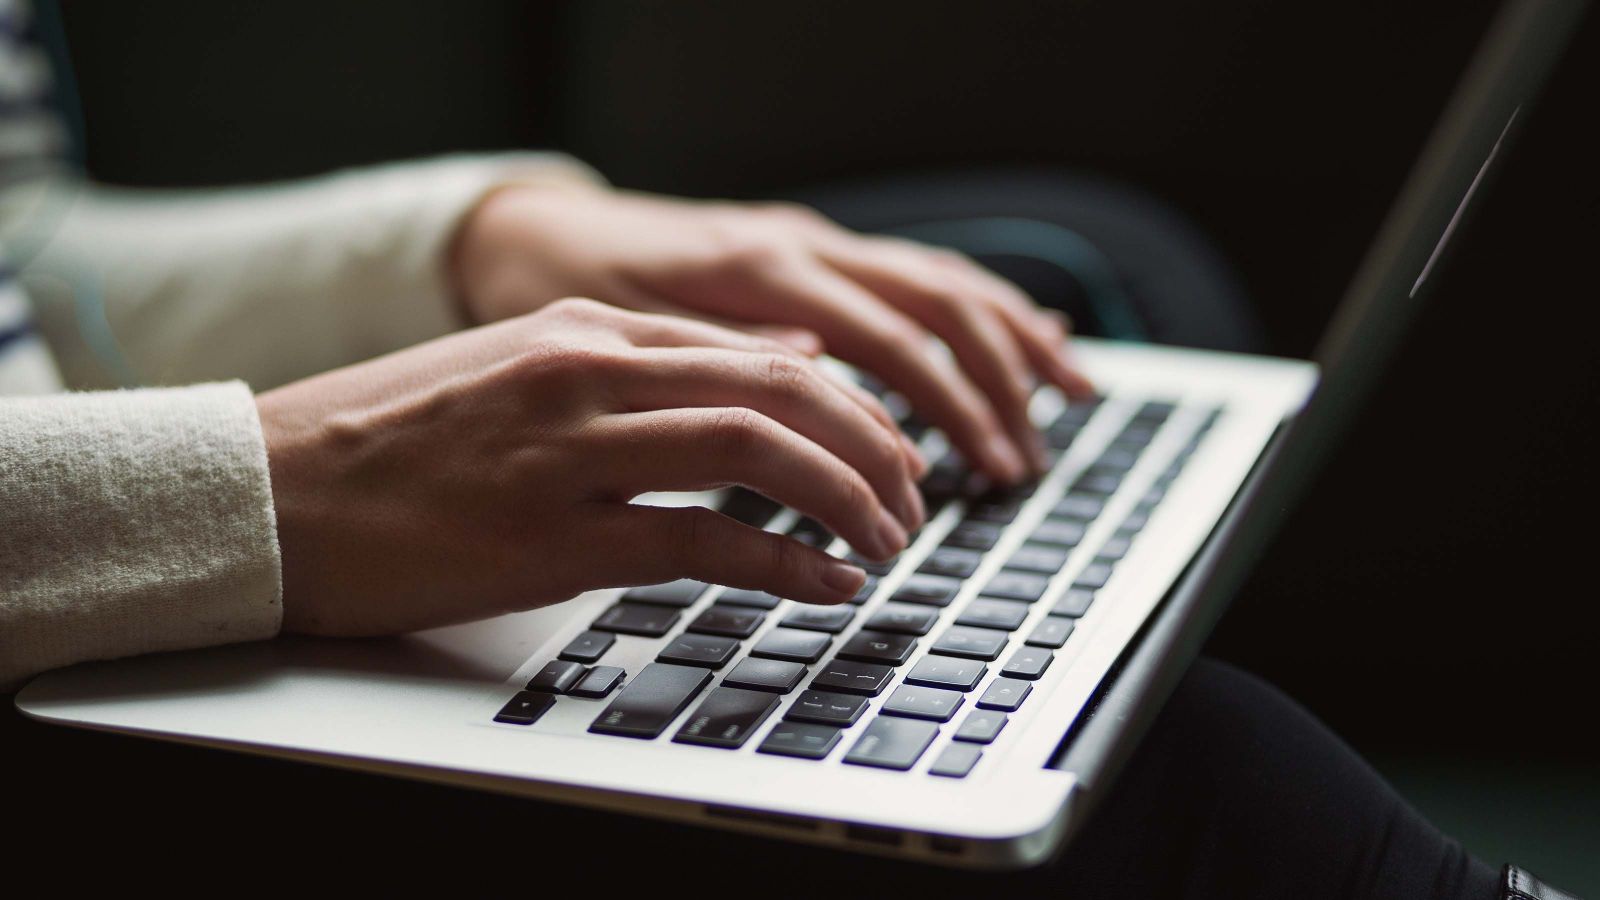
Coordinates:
column 817, row 675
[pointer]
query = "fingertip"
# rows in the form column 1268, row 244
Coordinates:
column 1005, row 459
column 843, row 579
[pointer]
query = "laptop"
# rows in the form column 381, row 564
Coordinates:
column 972, row 705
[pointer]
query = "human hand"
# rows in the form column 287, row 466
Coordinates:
column 871, row 301
column 490, row 471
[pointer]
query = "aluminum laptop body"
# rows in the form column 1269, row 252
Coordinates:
column 1174, row 480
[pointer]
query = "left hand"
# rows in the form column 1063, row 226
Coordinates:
column 788, row 272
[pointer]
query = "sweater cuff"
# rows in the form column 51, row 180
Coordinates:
column 134, row 521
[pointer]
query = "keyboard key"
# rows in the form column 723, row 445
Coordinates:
column 903, row 619
column 683, row 592
column 637, row 618
column 1011, row 585
column 853, row 677
column 588, row 646
column 827, row 708
column 598, row 682
column 648, row 704
column 1074, row 603
column 1094, row 576
column 729, row 621
column 929, row 590
column 933, row 704
column 1052, row 632
column 1154, row 412
column 974, row 535
column 1005, row 694
column 879, row 647
column 811, row 533
column 772, row 675
column 981, row 726
column 1116, row 459
column 726, row 718
column 525, row 708
column 1101, row 483
column 1062, row 532
column 998, row 512
column 752, row 599
column 1079, row 506
column 872, row 566
column 792, row 645
column 699, row 650
column 1028, row 663
column 1042, row 558
column 891, row 742
column 749, row 507
column 986, row 612
column 557, row 677
column 1134, row 523
column 1115, row 548
column 952, row 562
column 956, row 760
column 947, row 672
column 832, row 619
column 868, row 588
column 972, row 643
column 801, row 739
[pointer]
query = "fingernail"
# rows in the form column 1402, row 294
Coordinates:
column 1005, row 453
column 891, row 536
column 919, row 466
column 843, row 578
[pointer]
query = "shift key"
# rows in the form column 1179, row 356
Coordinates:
column 649, row 703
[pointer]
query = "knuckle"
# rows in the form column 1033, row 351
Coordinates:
column 577, row 308
column 736, row 430
column 788, row 378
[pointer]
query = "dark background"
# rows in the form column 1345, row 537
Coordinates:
column 1433, row 588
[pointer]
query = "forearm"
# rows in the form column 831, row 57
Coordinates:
column 266, row 284
column 133, row 522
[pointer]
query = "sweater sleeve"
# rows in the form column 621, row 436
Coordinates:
column 265, row 284
column 132, row 522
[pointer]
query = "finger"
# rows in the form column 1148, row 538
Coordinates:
column 700, row 449
column 659, row 544
column 796, row 394
column 803, row 340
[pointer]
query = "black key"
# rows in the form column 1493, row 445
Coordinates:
column 972, row 643
column 1005, row 694
column 794, row 646
column 929, row 590
column 1028, row 663
column 1060, row 437
column 1115, row 548
column 1094, row 576
column 1077, row 415
column 1042, row 558
column 648, row 704
column 1079, row 506
column 942, row 483
column 981, row 726
column 1052, row 632
column 749, row 507
column 853, row 677
column 588, row 646
column 868, row 588
column 726, row 718
column 872, row 567
column 903, row 619
column 682, row 592
column 525, row 708
column 1024, row 586
column 832, row 619
column 987, row 612
column 1135, row 435
column 1116, row 459
column 1074, row 603
column 699, row 650
column 998, row 512
column 956, row 760
column 947, row 672
column 801, row 739
column 811, row 533
column 1154, row 412
column 1134, row 523
column 774, row 676
column 879, row 647
column 952, row 562
column 826, row 708
column 637, row 618
column 598, row 682
column 974, row 535
column 928, row 703
column 1063, row 532
column 892, row 743
column 557, row 677
column 752, row 599
column 1102, row 483
column 729, row 621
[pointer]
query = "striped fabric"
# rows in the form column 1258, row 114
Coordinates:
column 32, row 146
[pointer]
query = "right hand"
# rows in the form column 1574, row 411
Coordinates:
column 491, row 471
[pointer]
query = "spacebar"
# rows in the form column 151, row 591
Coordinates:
column 649, row 702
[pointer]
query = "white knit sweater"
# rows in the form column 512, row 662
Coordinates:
column 140, row 520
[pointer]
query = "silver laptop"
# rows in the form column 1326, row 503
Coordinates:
column 975, row 700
